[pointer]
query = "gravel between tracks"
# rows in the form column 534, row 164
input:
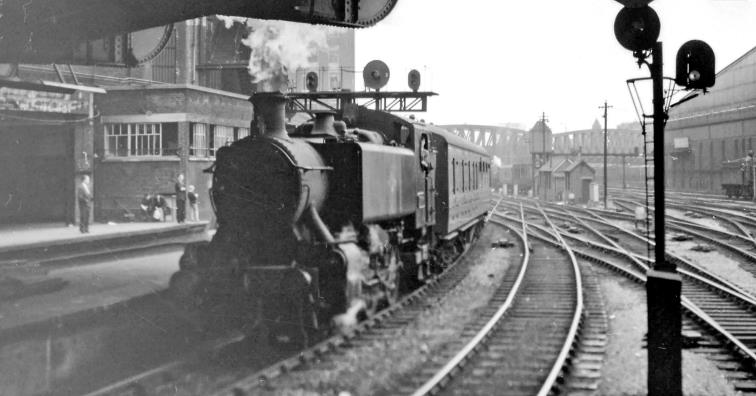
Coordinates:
column 716, row 262
column 705, row 221
column 626, row 360
column 377, row 367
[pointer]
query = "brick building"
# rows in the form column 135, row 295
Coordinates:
column 174, row 94
column 151, row 135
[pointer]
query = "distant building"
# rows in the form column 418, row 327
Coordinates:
column 565, row 180
column 708, row 139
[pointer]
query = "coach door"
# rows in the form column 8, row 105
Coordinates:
column 428, row 167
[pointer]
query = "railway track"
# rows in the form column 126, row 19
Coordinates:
column 738, row 246
column 526, row 333
column 606, row 233
column 738, row 218
column 728, row 316
column 200, row 373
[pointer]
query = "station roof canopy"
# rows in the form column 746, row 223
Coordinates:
column 48, row 86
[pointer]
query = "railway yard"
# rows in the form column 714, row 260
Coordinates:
column 548, row 300
column 238, row 198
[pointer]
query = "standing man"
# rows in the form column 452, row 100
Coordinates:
column 84, row 198
column 180, row 199
column 640, row 216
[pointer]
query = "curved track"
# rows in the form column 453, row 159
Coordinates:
column 727, row 315
column 725, row 311
column 524, row 343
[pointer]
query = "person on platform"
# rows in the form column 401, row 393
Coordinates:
column 84, row 198
column 180, row 199
column 640, row 216
column 193, row 204
column 160, row 207
column 147, row 206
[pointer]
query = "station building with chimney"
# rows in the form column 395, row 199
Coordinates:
column 134, row 111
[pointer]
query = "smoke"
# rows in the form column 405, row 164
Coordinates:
column 279, row 49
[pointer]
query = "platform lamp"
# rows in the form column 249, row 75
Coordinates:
column 637, row 29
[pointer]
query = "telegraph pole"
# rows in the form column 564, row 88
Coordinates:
column 606, row 107
column 543, row 149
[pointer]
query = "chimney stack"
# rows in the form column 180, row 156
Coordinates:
column 269, row 117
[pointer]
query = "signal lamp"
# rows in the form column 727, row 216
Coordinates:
column 413, row 80
column 311, row 81
column 637, row 29
column 695, row 65
column 375, row 74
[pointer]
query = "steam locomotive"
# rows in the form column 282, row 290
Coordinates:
column 332, row 220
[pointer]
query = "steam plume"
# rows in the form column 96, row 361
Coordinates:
column 279, row 49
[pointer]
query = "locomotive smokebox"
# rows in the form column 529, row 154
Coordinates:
column 270, row 108
column 263, row 186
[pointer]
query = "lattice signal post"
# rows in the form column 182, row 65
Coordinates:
column 637, row 28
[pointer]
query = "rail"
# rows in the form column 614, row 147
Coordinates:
column 687, row 305
column 464, row 354
column 576, row 318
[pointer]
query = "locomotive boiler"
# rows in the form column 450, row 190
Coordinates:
column 333, row 220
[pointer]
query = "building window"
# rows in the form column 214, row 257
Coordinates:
column 198, row 144
column 137, row 140
column 222, row 136
column 241, row 133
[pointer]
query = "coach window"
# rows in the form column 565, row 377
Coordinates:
column 462, row 171
column 469, row 175
column 454, row 176
column 477, row 175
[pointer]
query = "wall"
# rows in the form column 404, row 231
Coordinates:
column 122, row 184
column 37, row 177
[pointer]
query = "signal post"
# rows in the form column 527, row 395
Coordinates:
column 637, row 28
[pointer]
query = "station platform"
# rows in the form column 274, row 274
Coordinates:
column 31, row 255
column 43, row 242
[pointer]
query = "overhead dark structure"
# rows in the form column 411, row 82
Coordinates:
column 46, row 30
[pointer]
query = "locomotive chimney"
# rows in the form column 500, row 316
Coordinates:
column 324, row 124
column 269, row 108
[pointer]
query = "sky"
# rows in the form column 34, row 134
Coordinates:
column 498, row 62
